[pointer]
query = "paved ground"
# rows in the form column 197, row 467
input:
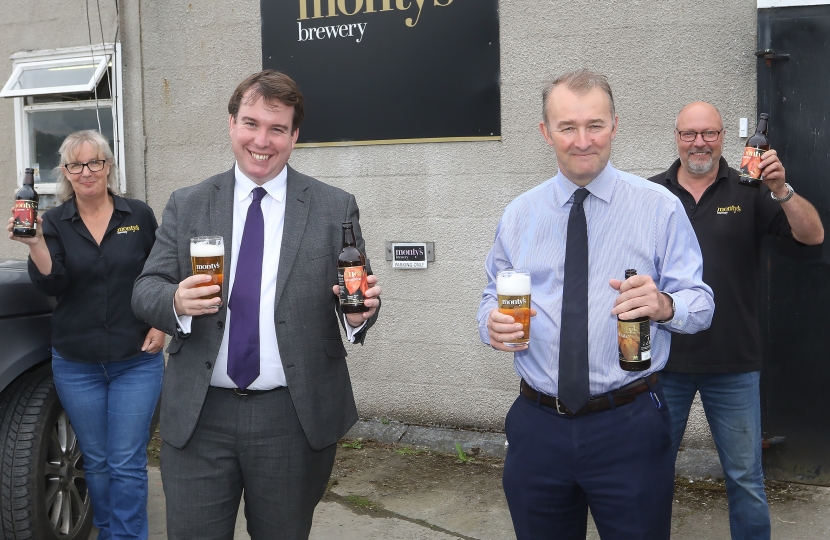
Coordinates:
column 394, row 492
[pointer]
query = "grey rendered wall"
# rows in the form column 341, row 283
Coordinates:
column 423, row 362
column 27, row 25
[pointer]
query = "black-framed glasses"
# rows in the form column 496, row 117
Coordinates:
column 94, row 166
column 708, row 136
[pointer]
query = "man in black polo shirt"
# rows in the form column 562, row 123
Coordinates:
column 723, row 363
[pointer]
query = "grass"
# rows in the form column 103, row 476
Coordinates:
column 361, row 502
column 356, row 444
column 461, row 456
column 406, row 451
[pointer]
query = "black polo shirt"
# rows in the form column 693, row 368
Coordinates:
column 93, row 320
column 729, row 220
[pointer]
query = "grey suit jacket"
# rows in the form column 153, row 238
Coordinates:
column 306, row 313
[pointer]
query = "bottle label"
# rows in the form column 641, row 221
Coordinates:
column 25, row 215
column 634, row 341
column 353, row 285
column 751, row 163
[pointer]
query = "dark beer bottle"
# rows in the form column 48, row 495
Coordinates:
column 351, row 269
column 755, row 147
column 25, row 207
column 634, row 338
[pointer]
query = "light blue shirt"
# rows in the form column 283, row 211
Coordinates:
column 632, row 223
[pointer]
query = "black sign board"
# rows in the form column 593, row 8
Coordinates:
column 388, row 71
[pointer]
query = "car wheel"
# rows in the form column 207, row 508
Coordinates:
column 43, row 492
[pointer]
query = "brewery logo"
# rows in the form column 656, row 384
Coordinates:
column 388, row 71
column 511, row 302
column 409, row 255
column 353, row 285
column 331, row 32
column 128, row 229
column 751, row 163
column 634, row 340
column 24, row 214
column 213, row 266
column 722, row 211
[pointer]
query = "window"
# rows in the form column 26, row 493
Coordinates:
column 58, row 92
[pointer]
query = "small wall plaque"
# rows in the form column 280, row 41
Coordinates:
column 409, row 255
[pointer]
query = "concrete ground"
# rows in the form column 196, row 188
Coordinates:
column 415, row 489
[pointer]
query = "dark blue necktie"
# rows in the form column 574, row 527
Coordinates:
column 574, row 390
column 243, row 339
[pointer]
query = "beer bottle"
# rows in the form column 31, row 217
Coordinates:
column 25, row 207
column 755, row 147
column 634, row 338
column 351, row 269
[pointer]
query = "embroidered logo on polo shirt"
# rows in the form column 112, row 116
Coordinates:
column 723, row 210
column 128, row 229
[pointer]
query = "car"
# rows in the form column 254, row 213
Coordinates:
column 43, row 491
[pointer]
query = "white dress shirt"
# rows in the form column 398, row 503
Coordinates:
column 271, row 372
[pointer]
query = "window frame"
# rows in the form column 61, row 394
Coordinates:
column 21, row 125
column 100, row 62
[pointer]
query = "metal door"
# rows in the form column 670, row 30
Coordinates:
column 794, row 87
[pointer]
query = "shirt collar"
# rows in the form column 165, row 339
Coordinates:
column 70, row 207
column 601, row 187
column 275, row 187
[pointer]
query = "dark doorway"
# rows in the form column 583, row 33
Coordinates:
column 793, row 76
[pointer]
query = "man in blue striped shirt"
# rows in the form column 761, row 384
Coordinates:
column 610, row 452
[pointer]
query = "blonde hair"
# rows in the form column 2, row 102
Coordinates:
column 69, row 148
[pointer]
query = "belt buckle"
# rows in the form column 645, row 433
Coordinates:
column 558, row 409
column 239, row 392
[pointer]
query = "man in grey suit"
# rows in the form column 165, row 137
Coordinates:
column 257, row 391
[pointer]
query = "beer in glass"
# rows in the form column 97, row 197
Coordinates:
column 207, row 256
column 513, row 290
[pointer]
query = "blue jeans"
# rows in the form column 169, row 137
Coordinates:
column 111, row 407
column 732, row 403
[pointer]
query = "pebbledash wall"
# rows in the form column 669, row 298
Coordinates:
column 423, row 362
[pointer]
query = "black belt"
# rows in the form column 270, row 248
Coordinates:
column 622, row 396
column 247, row 392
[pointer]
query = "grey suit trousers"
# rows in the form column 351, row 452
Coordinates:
column 244, row 445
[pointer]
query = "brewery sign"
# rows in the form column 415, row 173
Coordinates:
column 409, row 255
column 388, row 71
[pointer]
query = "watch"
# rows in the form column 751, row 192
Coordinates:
column 673, row 310
column 790, row 193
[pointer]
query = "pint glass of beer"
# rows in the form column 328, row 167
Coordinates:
column 513, row 289
column 207, row 256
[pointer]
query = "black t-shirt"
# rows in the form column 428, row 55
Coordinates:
column 729, row 220
column 93, row 320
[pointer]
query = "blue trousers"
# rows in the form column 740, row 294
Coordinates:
column 618, row 462
column 732, row 402
column 110, row 407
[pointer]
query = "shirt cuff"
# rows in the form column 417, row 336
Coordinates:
column 182, row 322
column 350, row 332
column 681, row 312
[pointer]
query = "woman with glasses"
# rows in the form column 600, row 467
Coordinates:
column 107, row 364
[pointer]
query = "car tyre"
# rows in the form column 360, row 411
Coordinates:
column 43, row 494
